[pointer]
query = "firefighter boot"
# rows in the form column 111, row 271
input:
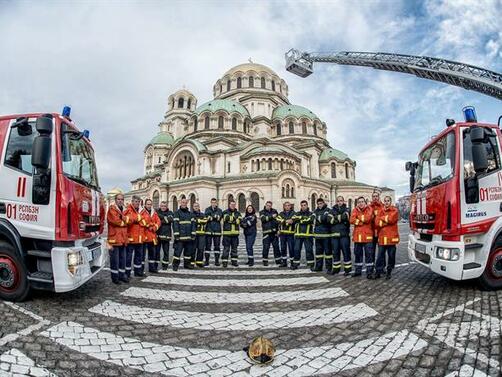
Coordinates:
column 206, row 259
column 217, row 259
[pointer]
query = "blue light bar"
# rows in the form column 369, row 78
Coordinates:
column 470, row 114
column 86, row 134
column 66, row 111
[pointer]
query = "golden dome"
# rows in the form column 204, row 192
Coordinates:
column 250, row 67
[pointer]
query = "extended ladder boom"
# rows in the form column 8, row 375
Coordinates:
column 454, row 73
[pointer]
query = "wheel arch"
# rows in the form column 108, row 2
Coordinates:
column 9, row 234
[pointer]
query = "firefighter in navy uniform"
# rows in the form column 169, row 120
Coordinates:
column 340, row 241
column 231, row 222
column 324, row 220
column 270, row 227
column 184, row 236
column 287, row 234
column 213, row 232
column 164, row 234
column 304, row 226
column 200, row 236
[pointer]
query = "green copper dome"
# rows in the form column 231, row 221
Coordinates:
column 222, row 104
column 162, row 138
column 331, row 153
column 295, row 111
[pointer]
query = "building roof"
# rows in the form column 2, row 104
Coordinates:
column 332, row 153
column 222, row 104
column 162, row 138
column 250, row 67
column 296, row 111
column 182, row 92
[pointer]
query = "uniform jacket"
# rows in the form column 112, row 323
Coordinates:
column 362, row 221
column 231, row 221
column 214, row 217
column 248, row 223
column 304, row 224
column 341, row 226
column 152, row 221
column 376, row 207
column 135, row 225
column 324, row 219
column 166, row 220
column 184, row 225
column 281, row 219
column 117, row 226
column 200, row 223
column 387, row 223
column 269, row 224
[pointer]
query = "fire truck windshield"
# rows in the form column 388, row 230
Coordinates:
column 78, row 161
column 436, row 164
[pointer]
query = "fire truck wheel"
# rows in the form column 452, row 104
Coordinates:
column 492, row 276
column 14, row 284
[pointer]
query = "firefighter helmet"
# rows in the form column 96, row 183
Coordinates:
column 261, row 350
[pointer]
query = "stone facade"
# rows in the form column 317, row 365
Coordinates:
column 249, row 143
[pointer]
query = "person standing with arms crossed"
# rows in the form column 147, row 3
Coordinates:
column 164, row 234
column 270, row 227
column 304, row 227
column 184, row 236
column 248, row 223
column 150, row 242
column 341, row 237
column 117, row 239
column 213, row 232
column 388, row 237
column 135, row 230
column 200, row 236
column 286, row 234
column 362, row 219
column 376, row 206
column 231, row 221
column 322, row 232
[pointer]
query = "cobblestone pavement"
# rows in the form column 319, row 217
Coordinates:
column 197, row 322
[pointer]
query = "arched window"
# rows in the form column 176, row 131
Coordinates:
column 291, row 128
column 251, row 82
column 195, row 124
column 304, row 128
column 221, row 88
column 239, row 83
column 220, row 122
column 263, row 83
column 189, row 104
column 283, row 192
column 270, row 163
column 273, row 85
column 234, row 124
column 315, row 129
column 155, row 199
column 206, row 122
column 333, row 170
column 228, row 85
column 192, row 201
column 184, row 167
column 230, row 198
column 346, row 170
column 181, row 102
column 255, row 200
column 258, row 165
column 292, row 192
column 242, row 202
column 287, row 191
column 282, row 164
column 279, row 129
column 175, row 203
column 228, row 167
column 313, row 202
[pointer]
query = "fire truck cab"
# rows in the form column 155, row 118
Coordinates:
column 51, row 207
column 456, row 202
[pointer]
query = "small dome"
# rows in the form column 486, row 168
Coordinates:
column 222, row 104
column 162, row 138
column 114, row 191
column 295, row 111
column 182, row 93
column 250, row 67
column 332, row 153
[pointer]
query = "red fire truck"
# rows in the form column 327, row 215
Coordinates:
column 456, row 202
column 51, row 207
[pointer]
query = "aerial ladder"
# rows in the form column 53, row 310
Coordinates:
column 450, row 72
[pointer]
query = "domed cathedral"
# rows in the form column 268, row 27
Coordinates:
column 249, row 144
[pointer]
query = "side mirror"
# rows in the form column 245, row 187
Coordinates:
column 41, row 152
column 44, row 124
column 477, row 134
column 408, row 165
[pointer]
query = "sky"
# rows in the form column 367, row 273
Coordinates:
column 116, row 63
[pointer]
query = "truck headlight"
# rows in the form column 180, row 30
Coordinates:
column 74, row 259
column 448, row 253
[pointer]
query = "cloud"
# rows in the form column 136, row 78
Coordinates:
column 116, row 64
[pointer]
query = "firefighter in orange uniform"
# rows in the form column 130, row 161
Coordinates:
column 135, row 230
column 388, row 237
column 376, row 206
column 362, row 219
column 152, row 221
column 117, row 238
